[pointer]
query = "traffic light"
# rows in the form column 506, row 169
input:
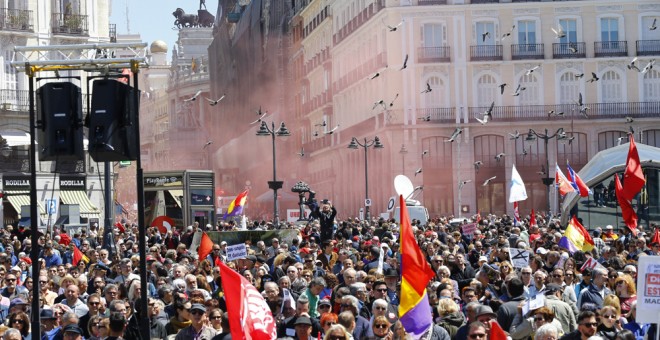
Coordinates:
column 59, row 122
column 112, row 122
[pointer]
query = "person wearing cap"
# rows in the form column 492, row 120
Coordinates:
column 564, row 312
column 287, row 328
column 609, row 235
column 72, row 332
column 198, row 329
column 303, row 328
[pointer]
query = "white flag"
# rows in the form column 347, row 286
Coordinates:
column 517, row 190
column 381, row 258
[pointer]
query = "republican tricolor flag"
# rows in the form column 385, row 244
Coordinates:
column 236, row 206
column 563, row 184
column 577, row 183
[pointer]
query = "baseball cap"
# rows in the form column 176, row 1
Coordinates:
column 303, row 320
column 46, row 314
column 324, row 302
column 74, row 328
column 198, row 306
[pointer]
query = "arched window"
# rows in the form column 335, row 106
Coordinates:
column 609, row 139
column 651, row 85
column 438, row 190
column 487, row 90
column 491, row 197
column 611, row 90
column 573, row 151
column 530, row 96
column 651, row 137
column 434, row 98
column 569, row 86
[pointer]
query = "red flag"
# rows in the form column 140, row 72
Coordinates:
column 532, row 218
column 78, row 256
column 217, row 261
column 627, row 211
column 478, row 216
column 633, row 178
column 205, row 247
column 249, row 314
column 496, row 331
column 120, row 226
column 65, row 239
column 656, row 237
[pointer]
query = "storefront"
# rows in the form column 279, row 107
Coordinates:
column 16, row 200
column 186, row 196
column 73, row 191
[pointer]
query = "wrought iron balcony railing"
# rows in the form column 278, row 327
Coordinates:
column 433, row 54
column 357, row 21
column 610, row 48
column 437, row 114
column 648, row 47
column 74, row 24
column 569, row 50
column 486, row 53
column 16, row 20
column 527, row 51
column 112, row 32
column 431, row 2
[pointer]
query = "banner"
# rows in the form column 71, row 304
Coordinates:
column 648, row 289
column 236, row 251
column 591, row 263
column 469, row 229
column 519, row 257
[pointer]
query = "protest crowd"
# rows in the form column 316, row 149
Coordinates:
column 338, row 279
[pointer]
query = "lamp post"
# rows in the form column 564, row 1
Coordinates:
column 531, row 136
column 367, row 143
column 274, row 185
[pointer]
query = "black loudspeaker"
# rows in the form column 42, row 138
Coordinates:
column 112, row 122
column 59, row 122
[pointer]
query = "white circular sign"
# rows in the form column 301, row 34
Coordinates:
column 391, row 203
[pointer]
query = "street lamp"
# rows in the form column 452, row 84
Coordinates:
column 560, row 135
column 367, row 143
column 274, row 185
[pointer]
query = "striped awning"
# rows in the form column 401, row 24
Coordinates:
column 20, row 198
column 87, row 209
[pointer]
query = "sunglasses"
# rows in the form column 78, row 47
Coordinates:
column 197, row 312
column 609, row 316
column 216, row 317
column 329, row 323
column 380, row 325
column 590, row 324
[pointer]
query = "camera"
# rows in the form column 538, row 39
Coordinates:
column 325, row 201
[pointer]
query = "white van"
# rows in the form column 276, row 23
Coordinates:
column 415, row 212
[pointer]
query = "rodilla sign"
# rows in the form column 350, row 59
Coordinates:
column 648, row 289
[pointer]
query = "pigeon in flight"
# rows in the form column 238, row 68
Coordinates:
column 573, row 48
column 321, row 124
column 428, row 88
column 583, row 108
column 418, row 171
column 542, row 172
column 519, row 89
column 502, row 86
column 653, row 26
column 632, row 65
column 316, row 133
column 393, row 28
column 381, row 103
column 215, row 102
column 525, row 152
column 594, row 78
column 486, row 182
column 578, row 75
column 333, row 130
column 629, row 120
column 425, row 152
column 531, row 70
column 554, row 113
column 463, row 183
column 484, row 36
column 477, row 165
column 559, row 32
column 405, row 63
column 392, row 102
column 374, row 76
column 193, row 98
column 648, row 66
column 426, row 118
column 302, row 152
column 261, row 117
column 515, row 135
column 483, row 121
column 454, row 135
column 499, row 156
column 206, row 145
column 508, row 34
column 619, row 140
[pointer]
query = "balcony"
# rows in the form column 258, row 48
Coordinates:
column 431, row 2
column 596, row 110
column 438, row 114
column 112, row 32
column 648, row 47
column 484, row 1
column 360, row 72
column 358, row 21
column 486, row 53
column 16, row 20
column 527, row 51
column 569, row 50
column 14, row 100
column 433, row 54
column 611, row 49
column 70, row 24
column 18, row 160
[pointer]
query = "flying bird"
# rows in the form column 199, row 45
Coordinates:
column 570, row 140
column 502, row 86
column 302, row 152
column 418, row 171
column 508, row 34
column 381, row 103
column 477, row 165
column 483, row 121
column 488, row 115
column 620, row 140
column 542, row 172
column 392, row 102
column 580, row 102
column 499, row 156
column 393, row 28
column 454, row 135
column 632, row 65
column 193, row 98
column 653, row 26
column 374, row 76
column 594, row 78
column 425, row 152
column 514, row 135
column 405, row 63
column 259, row 112
column 578, row 75
column 321, row 124
column 531, row 70
column 206, row 145
column 426, row 118
column 428, row 88
column 261, row 117
column 316, row 133
column 486, row 182
column 573, row 48
column 553, row 112
column 215, row 102
column 463, row 183
column 333, row 130
column 629, row 120
column 519, row 89
column 648, row 66
column 559, row 32
column 525, row 151
column 484, row 36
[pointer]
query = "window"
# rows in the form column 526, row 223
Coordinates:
column 611, row 90
column 651, row 85
column 570, row 28
column 531, row 95
column 526, row 32
column 609, row 29
column 432, row 35
column 10, row 79
column 434, row 98
column 609, row 139
column 569, row 86
column 487, row 90
column 481, row 29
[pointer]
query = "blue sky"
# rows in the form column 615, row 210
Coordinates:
column 158, row 13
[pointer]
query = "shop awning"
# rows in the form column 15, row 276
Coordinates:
column 20, row 198
column 176, row 195
column 87, row 209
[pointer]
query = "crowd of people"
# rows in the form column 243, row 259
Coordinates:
column 338, row 279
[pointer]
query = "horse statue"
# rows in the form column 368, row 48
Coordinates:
column 183, row 19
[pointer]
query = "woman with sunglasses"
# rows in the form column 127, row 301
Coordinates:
column 521, row 328
column 609, row 324
column 215, row 319
column 93, row 328
column 381, row 328
column 328, row 320
column 625, row 290
column 21, row 322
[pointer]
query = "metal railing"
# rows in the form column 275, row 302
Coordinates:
column 431, row 2
column 527, row 51
column 569, row 50
column 647, row 47
column 74, row 24
column 484, row 1
column 112, row 32
column 358, row 21
column 486, row 53
column 438, row 114
column 610, row 48
column 16, row 20
column 14, row 100
column 433, row 54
